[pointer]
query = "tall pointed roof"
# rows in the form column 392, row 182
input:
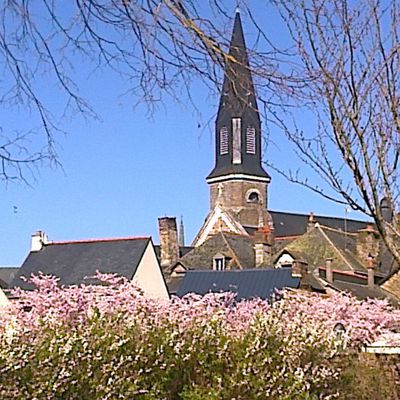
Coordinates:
column 238, row 91
column 238, row 153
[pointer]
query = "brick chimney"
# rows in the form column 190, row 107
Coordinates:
column 169, row 248
column 299, row 268
column 39, row 239
column 368, row 244
column 263, row 241
column 311, row 222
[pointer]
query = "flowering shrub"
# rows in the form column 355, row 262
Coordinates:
column 109, row 341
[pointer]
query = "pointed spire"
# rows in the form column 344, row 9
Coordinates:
column 238, row 90
column 181, row 234
column 238, row 125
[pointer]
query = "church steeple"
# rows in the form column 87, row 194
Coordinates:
column 238, row 125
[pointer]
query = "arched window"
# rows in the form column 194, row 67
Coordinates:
column 253, row 197
column 223, row 141
column 250, row 140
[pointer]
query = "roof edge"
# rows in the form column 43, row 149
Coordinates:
column 117, row 239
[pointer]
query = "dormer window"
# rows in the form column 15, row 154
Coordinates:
column 223, row 141
column 250, row 140
column 220, row 262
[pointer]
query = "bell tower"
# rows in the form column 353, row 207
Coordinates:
column 238, row 181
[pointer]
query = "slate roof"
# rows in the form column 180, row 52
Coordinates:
column 3, row 284
column 237, row 247
column 292, row 224
column 247, row 284
column 174, row 283
column 321, row 243
column 7, row 274
column 363, row 292
column 73, row 261
column 182, row 250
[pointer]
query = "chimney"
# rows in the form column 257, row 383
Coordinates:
column 368, row 244
column 39, row 239
column 263, row 240
column 329, row 272
column 371, row 274
column 311, row 222
column 169, row 248
column 299, row 268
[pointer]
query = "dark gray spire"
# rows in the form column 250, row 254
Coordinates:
column 238, row 126
column 181, row 234
column 238, row 94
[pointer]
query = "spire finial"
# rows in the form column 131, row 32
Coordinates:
column 237, row 10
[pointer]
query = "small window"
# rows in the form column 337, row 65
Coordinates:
column 250, row 140
column 253, row 197
column 219, row 264
column 223, row 141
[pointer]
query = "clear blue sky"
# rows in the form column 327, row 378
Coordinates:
column 122, row 173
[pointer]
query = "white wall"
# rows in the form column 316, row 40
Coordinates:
column 3, row 299
column 284, row 259
column 148, row 276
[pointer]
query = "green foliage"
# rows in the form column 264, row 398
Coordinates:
column 110, row 342
column 110, row 357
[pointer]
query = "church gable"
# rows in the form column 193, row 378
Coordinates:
column 218, row 220
column 229, row 250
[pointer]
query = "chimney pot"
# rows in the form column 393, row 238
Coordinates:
column 311, row 222
column 329, row 272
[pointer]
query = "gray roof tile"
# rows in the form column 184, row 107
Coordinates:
column 73, row 261
column 292, row 224
column 247, row 284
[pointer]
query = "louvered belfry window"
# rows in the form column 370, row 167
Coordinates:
column 250, row 140
column 223, row 141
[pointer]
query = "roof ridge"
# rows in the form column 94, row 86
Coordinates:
column 329, row 228
column 347, row 273
column 99, row 240
column 288, row 237
column 336, row 249
column 318, row 215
